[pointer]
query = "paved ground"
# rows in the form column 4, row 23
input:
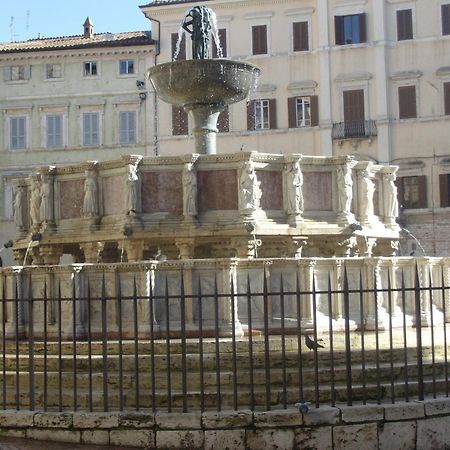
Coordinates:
column 26, row 444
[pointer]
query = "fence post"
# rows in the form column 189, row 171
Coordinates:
column 418, row 324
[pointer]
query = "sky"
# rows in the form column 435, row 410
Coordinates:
column 52, row 18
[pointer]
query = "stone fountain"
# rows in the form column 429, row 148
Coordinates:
column 203, row 86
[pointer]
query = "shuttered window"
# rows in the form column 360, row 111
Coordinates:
column 447, row 98
column 445, row 17
column 17, row 132
column 178, row 53
column 303, row 111
column 127, row 127
column 350, row 29
column 222, row 32
column 407, row 102
column 223, row 122
column 404, row 24
column 54, row 131
column 91, row 124
column 300, row 36
column 444, row 189
column 259, row 40
column 179, row 121
column 17, row 73
column 412, row 191
column 261, row 114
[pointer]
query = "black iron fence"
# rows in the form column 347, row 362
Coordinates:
column 195, row 348
column 354, row 129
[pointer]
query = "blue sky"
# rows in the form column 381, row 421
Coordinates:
column 53, row 18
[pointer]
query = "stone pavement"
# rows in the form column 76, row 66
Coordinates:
column 27, row 444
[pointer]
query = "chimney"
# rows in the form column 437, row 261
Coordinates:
column 88, row 28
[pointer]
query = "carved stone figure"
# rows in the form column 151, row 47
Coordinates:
column 198, row 24
column 132, row 190
column 366, row 199
column 19, row 208
column 248, row 187
column 345, row 188
column 90, row 201
column 45, row 206
column 35, row 202
column 189, row 190
column 295, row 204
column 390, row 196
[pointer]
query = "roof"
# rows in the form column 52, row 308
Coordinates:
column 129, row 38
column 170, row 2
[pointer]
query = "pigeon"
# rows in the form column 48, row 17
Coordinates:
column 312, row 345
column 303, row 407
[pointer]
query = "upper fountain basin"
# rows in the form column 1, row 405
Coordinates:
column 204, row 81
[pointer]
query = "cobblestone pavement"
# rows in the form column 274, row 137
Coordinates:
column 27, row 444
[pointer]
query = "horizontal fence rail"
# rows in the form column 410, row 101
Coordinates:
column 271, row 342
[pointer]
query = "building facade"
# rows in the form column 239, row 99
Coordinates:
column 369, row 78
column 71, row 99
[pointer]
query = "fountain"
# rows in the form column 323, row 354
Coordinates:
column 203, row 86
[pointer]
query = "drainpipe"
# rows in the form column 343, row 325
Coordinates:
column 155, row 98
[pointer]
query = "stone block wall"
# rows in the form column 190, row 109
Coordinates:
column 413, row 425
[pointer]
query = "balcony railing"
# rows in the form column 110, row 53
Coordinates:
column 354, row 130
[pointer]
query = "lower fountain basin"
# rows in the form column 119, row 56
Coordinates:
column 204, row 81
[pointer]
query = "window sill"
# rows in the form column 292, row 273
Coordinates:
column 17, row 81
column 53, row 80
column 349, row 46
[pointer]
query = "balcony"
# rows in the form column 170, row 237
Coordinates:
column 360, row 129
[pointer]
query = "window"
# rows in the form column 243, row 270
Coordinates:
column 91, row 133
column 179, row 121
column 261, row 114
column 17, row 132
column 404, row 24
column 412, row 192
column 178, row 53
column 127, row 127
column 259, row 40
column 300, row 36
column 444, row 189
column 53, row 71
column 407, row 102
column 54, row 131
column 90, row 69
column 303, row 111
column 126, row 67
column 222, row 32
column 350, row 29
column 17, row 73
column 447, row 98
column 445, row 17
column 223, row 122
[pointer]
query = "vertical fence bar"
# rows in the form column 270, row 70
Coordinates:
column 250, row 344
column 233, row 346
column 405, row 338
column 4, row 303
column 331, row 339
column 377, row 337
column 283, row 343
column 183, row 343
column 120, row 341
column 362, row 322
column 316, row 345
column 104, row 346
column 16, row 337
column 266, row 342
column 217, row 345
column 433, row 354
column 444, row 314
column 169, row 373
column 89, row 345
column 299, row 339
column 348, row 356
column 136, row 346
column 45, row 300
column 418, row 318
column 152, row 348
column 74, row 345
column 31, row 370
column 200, row 346
column 391, row 344
column 60, row 402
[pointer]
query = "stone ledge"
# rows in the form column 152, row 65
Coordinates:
column 326, row 415
column 404, row 411
column 132, row 438
column 278, row 418
column 232, row 419
column 95, row 420
column 437, row 406
column 71, row 436
column 17, row 419
column 185, row 421
column 53, row 420
column 361, row 413
column 136, row 420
